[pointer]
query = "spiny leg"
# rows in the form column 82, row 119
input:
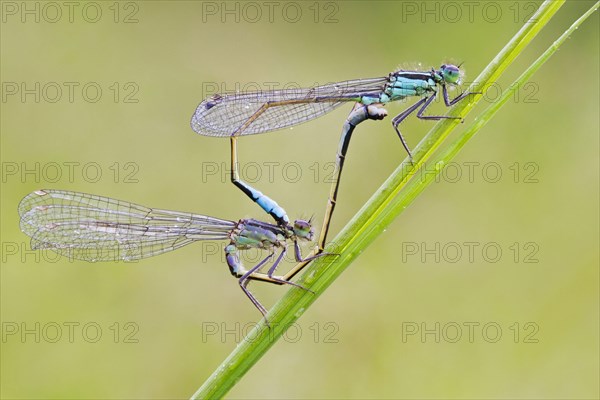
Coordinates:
column 302, row 262
column 298, row 254
column 420, row 113
column 422, row 106
column 249, row 275
column 455, row 100
column 281, row 279
column 404, row 114
column 245, row 279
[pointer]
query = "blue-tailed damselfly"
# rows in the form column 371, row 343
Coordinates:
column 95, row 228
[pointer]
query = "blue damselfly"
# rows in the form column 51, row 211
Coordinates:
column 95, row 228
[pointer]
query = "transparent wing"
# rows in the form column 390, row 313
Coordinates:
column 225, row 114
column 95, row 228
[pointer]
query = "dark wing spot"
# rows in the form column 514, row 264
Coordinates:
column 213, row 101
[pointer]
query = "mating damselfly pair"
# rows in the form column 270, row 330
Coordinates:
column 96, row 228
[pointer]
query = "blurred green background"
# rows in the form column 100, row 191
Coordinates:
column 418, row 315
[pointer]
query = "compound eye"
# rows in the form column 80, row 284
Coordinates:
column 451, row 73
column 301, row 224
column 303, row 229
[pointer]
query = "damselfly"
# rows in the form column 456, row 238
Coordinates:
column 247, row 113
column 95, row 228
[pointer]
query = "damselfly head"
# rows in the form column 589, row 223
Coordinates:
column 303, row 229
column 450, row 73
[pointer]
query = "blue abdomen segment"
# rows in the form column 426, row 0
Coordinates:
column 265, row 202
column 272, row 208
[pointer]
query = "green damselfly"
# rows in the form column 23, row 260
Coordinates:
column 95, row 228
column 247, row 113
